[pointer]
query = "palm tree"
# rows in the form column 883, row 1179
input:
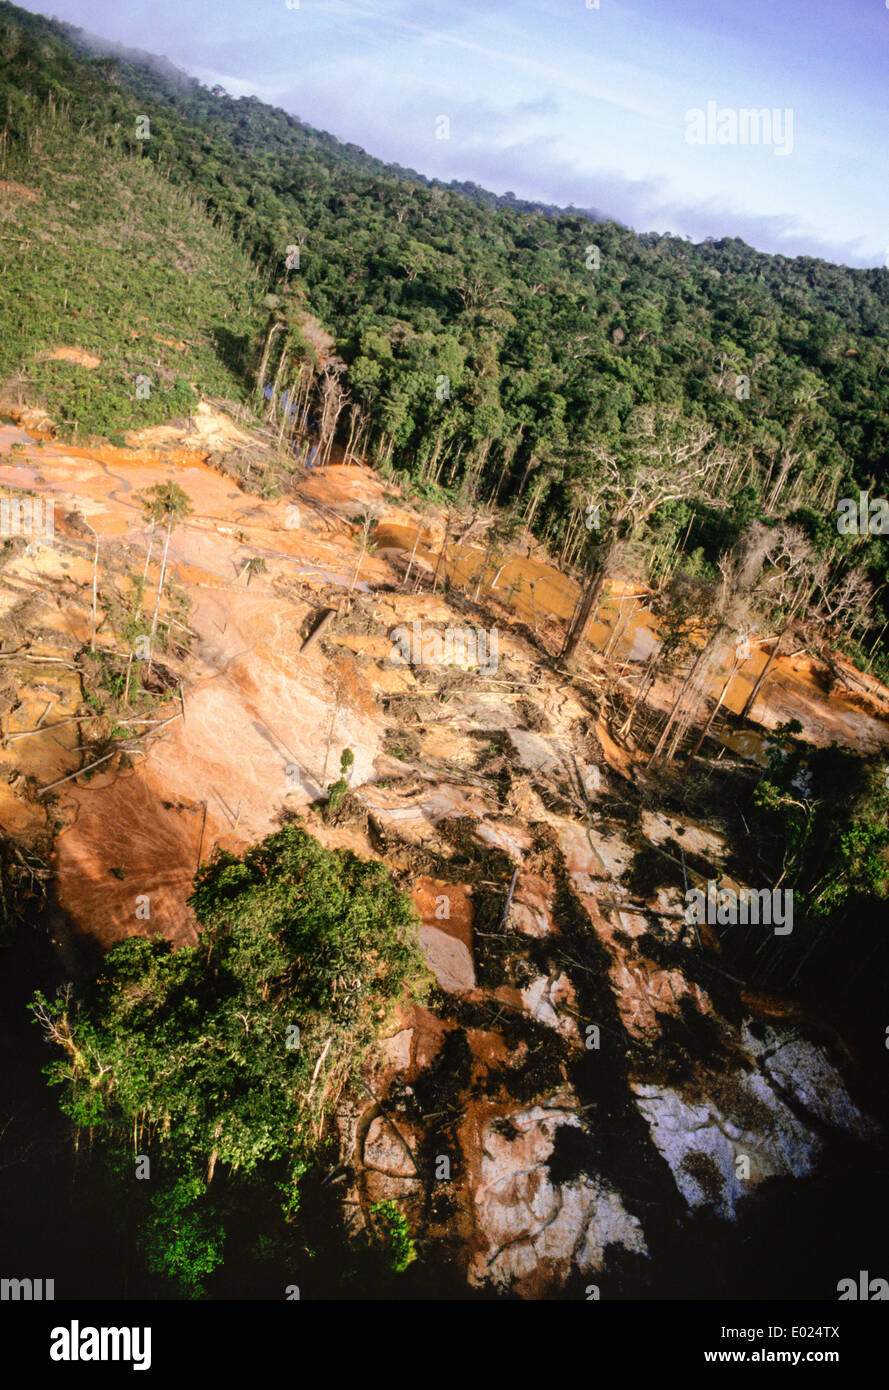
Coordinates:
column 167, row 503
column 150, row 546
column 255, row 565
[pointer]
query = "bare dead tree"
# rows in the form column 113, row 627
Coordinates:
column 839, row 595
column 275, row 328
column 665, row 462
column 369, row 522
column 333, row 401
column 740, row 570
column 786, row 590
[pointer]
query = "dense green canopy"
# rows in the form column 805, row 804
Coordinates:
column 481, row 340
column 229, row 1054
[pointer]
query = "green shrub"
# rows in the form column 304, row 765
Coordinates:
column 229, row 1054
column 394, row 1236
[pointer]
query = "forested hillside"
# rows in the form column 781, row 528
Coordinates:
column 120, row 302
column 350, row 830
column 480, row 344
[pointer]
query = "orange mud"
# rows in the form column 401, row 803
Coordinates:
column 10, row 189
column 80, row 356
column 796, row 687
column 252, row 745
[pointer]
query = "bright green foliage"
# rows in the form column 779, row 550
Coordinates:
column 481, row 346
column 337, row 790
column 225, row 1057
column 828, row 809
column 197, row 1042
column 165, row 502
column 394, row 1236
column 181, row 1239
column 820, row 827
column 132, row 272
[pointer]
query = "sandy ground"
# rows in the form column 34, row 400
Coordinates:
column 252, row 744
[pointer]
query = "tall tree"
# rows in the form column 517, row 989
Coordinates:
column 662, row 460
column 165, row 504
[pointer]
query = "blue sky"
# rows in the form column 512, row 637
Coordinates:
column 575, row 105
